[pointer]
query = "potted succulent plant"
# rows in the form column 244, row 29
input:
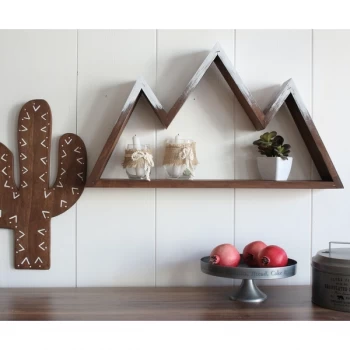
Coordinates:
column 275, row 163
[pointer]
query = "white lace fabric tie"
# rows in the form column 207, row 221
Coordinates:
column 148, row 161
column 188, row 156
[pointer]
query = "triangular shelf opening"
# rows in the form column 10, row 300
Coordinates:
column 288, row 94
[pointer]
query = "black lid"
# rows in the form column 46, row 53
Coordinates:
column 333, row 260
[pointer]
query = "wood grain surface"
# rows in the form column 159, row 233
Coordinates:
column 180, row 303
column 27, row 209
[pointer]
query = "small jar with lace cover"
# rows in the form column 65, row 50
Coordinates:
column 138, row 161
column 180, row 159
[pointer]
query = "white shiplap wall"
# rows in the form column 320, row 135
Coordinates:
column 189, row 223
column 116, row 227
column 265, row 59
column 147, row 237
column 331, row 219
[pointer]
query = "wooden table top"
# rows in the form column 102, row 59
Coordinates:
column 179, row 303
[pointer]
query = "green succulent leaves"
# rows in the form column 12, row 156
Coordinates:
column 271, row 145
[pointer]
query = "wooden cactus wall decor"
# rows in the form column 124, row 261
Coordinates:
column 28, row 209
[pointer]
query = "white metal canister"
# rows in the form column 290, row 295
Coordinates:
column 331, row 278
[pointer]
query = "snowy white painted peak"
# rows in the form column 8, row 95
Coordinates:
column 217, row 48
column 141, row 81
column 142, row 86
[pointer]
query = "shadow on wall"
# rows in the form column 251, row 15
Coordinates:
column 187, row 271
column 11, row 126
column 100, row 119
column 284, row 124
column 189, row 63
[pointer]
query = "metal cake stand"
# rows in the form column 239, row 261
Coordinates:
column 248, row 291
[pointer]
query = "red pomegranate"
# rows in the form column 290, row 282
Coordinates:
column 225, row 255
column 272, row 256
column 251, row 251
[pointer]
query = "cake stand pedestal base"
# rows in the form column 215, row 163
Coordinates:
column 249, row 293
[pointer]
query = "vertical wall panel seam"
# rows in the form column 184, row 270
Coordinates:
column 312, row 90
column 234, row 110
column 234, row 148
column 156, row 85
column 156, row 174
column 313, row 117
column 76, row 131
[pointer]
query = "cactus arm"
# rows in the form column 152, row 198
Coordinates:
column 71, row 177
column 9, row 194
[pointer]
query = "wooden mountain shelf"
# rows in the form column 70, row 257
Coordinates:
column 288, row 94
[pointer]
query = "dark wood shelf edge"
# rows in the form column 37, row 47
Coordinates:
column 164, row 183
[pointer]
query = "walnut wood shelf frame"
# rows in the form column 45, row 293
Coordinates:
column 287, row 94
column 164, row 183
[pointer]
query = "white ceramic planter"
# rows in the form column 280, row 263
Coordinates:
column 274, row 168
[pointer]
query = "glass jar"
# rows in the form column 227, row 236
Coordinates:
column 181, row 172
column 137, row 173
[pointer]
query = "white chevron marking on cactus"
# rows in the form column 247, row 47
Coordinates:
column 44, row 214
column 77, row 150
column 37, row 260
column 60, row 184
column 68, row 142
column 41, row 231
column 63, row 171
column 23, row 128
column 65, row 154
column 81, row 176
column 24, row 186
column 22, row 248
column 5, row 185
column 23, row 156
column 40, row 245
column 46, row 195
column 14, row 217
column 28, row 116
column 23, row 234
column 79, row 160
column 3, row 171
column 43, row 116
column 41, row 177
column 15, row 195
column 62, row 201
column 74, row 188
column 24, row 143
column 44, row 160
column 35, row 109
column 25, row 259
column 42, row 129
column 2, row 157
column 42, row 143
column 24, row 170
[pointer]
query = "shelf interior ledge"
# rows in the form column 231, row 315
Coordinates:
column 165, row 183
